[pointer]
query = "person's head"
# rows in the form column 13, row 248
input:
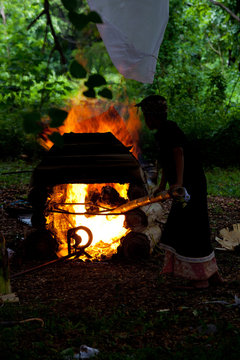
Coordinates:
column 154, row 108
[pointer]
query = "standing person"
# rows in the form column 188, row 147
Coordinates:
column 186, row 236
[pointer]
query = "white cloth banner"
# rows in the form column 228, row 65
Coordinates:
column 132, row 32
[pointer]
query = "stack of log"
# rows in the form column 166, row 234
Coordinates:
column 143, row 223
column 144, row 232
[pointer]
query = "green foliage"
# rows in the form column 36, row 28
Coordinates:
column 125, row 335
column 90, row 93
column 70, row 5
column 11, row 175
column 94, row 17
column 95, row 81
column 197, row 71
column 32, row 122
column 77, row 70
column 57, row 117
column 106, row 93
column 199, row 77
column 32, row 77
column 223, row 182
column 14, row 142
column 78, row 20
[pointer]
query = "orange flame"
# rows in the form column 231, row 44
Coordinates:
column 107, row 230
column 92, row 117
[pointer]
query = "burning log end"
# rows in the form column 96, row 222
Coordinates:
column 135, row 219
column 134, row 245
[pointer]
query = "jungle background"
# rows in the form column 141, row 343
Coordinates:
column 128, row 311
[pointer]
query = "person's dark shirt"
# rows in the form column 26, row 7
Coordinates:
column 168, row 137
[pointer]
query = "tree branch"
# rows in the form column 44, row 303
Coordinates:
column 57, row 45
column 36, row 19
column 226, row 9
column 56, row 41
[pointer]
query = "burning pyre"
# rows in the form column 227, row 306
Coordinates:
column 76, row 186
column 85, row 205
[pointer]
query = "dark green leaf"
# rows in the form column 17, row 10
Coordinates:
column 57, row 139
column 106, row 93
column 95, row 81
column 89, row 93
column 79, row 21
column 57, row 117
column 77, row 70
column 94, row 17
column 32, row 122
column 70, row 5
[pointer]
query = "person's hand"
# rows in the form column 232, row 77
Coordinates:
column 156, row 190
column 174, row 187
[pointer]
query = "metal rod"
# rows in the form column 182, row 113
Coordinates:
column 130, row 205
column 78, row 253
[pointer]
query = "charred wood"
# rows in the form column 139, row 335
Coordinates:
column 111, row 197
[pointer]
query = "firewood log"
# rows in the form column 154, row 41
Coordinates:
column 135, row 219
column 134, row 245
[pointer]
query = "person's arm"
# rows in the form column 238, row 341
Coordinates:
column 179, row 163
column 162, row 185
column 163, row 182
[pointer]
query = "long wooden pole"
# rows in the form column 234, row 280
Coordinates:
column 164, row 195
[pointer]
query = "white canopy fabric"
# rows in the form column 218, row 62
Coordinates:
column 132, row 32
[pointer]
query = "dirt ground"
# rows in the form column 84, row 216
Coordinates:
column 107, row 285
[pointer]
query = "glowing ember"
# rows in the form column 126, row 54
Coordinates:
column 106, row 229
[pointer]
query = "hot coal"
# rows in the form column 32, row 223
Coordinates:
column 110, row 197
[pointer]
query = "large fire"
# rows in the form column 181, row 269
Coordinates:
column 67, row 200
column 92, row 117
column 106, row 229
